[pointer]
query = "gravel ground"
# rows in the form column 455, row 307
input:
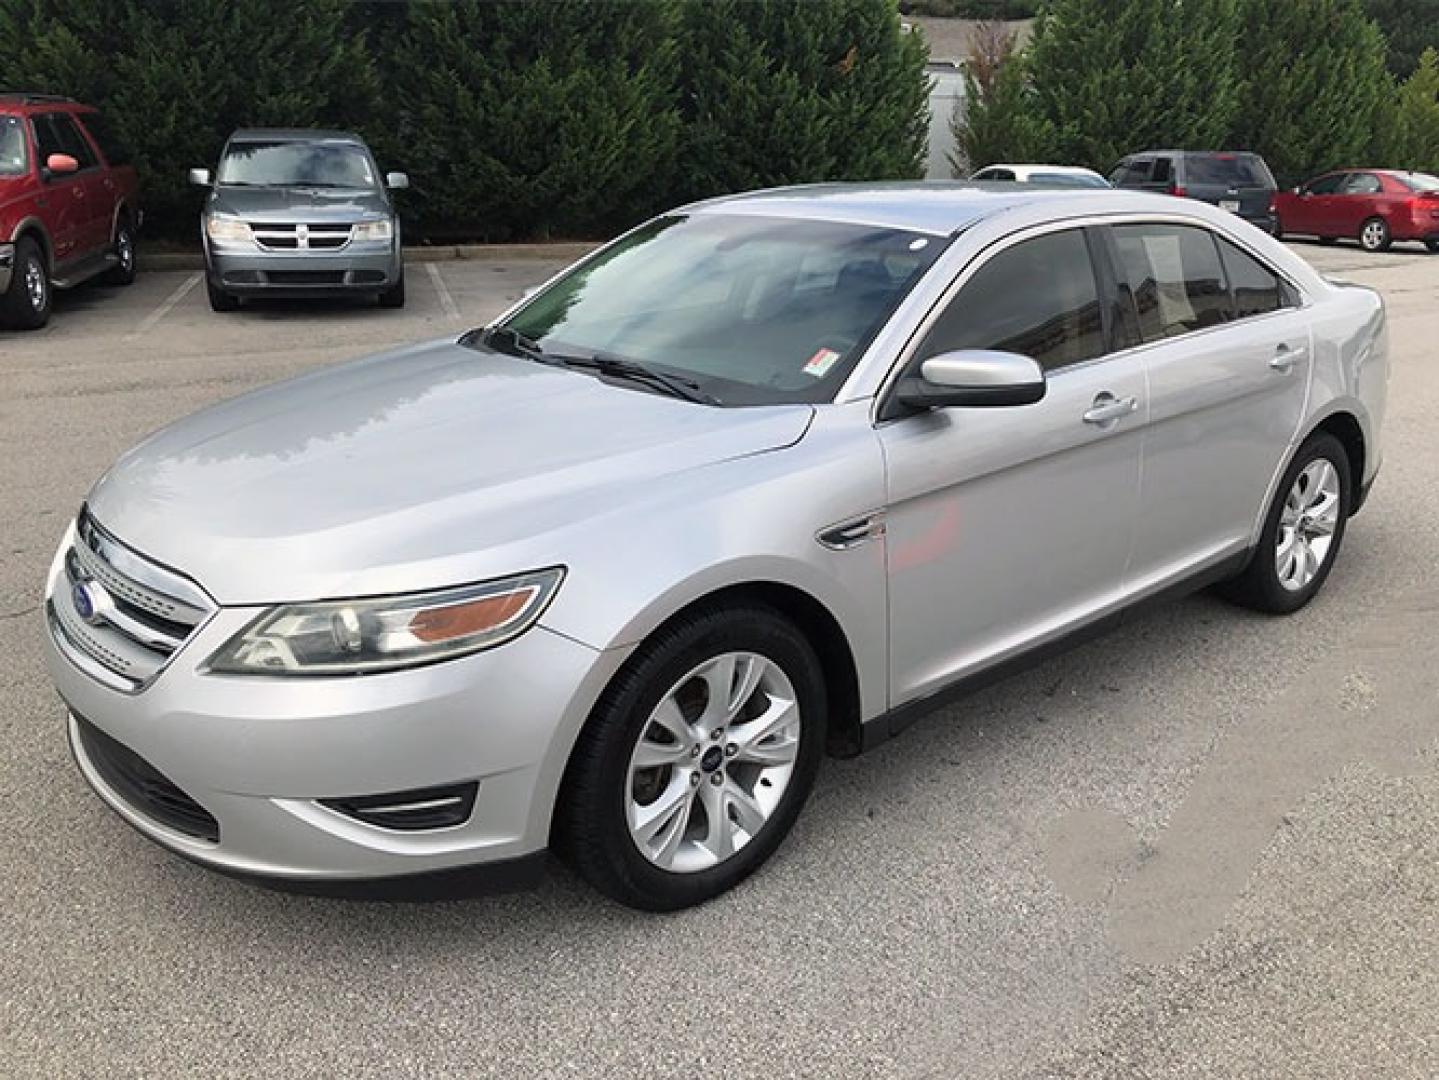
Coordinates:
column 978, row 898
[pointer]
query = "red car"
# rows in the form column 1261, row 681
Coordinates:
column 1375, row 206
column 68, row 204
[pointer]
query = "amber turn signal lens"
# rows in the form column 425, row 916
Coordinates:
column 461, row 620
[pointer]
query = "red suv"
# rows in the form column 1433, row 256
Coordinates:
column 68, row 207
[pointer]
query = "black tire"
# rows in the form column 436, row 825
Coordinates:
column 20, row 309
column 591, row 830
column 1374, row 235
column 394, row 296
column 1259, row 586
column 1432, row 245
column 220, row 300
column 123, row 272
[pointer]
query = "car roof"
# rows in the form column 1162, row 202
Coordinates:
column 294, row 135
column 1076, row 170
column 23, row 102
column 939, row 208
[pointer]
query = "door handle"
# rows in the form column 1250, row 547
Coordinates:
column 1285, row 358
column 1107, row 408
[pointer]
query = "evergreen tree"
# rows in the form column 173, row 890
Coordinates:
column 1316, row 94
column 534, row 118
column 1411, row 27
column 775, row 92
column 999, row 122
column 1417, row 120
column 1115, row 76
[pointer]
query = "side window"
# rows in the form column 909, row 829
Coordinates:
column 1119, row 172
column 74, row 141
column 101, row 130
column 1162, row 171
column 1326, row 185
column 1139, row 171
column 1362, row 184
column 1037, row 298
column 1174, row 275
column 1257, row 290
column 47, row 139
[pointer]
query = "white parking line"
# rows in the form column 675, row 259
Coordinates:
column 446, row 300
column 164, row 309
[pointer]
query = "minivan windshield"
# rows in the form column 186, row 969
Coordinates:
column 297, row 164
column 750, row 310
column 1418, row 181
column 1235, row 170
column 14, row 157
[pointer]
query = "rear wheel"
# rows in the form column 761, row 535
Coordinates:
column 1432, row 245
column 696, row 761
column 1302, row 531
column 220, row 300
column 26, row 304
column 123, row 272
column 1374, row 235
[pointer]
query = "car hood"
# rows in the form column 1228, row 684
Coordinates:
column 310, row 204
column 423, row 467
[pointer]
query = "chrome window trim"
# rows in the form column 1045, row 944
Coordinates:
column 980, row 258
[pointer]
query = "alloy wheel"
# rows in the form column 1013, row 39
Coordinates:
column 35, row 285
column 712, row 762
column 1307, row 525
column 1373, row 235
column 125, row 250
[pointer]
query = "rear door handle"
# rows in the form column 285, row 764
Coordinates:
column 1107, row 408
column 1285, row 358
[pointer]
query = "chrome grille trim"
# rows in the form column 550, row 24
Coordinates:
column 139, row 614
column 301, row 236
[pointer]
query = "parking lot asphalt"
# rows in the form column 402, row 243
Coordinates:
column 1206, row 845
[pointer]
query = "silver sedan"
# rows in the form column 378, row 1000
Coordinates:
column 759, row 481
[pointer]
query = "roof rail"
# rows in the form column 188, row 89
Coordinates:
column 27, row 97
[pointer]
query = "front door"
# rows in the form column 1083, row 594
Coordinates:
column 67, row 212
column 1007, row 525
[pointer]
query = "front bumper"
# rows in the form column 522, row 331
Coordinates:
column 356, row 269
column 258, row 753
column 7, row 265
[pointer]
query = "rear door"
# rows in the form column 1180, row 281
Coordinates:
column 98, row 201
column 1357, row 201
column 1228, row 358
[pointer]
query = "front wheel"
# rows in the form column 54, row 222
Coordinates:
column 220, row 300
column 26, row 304
column 696, row 761
column 1302, row 531
column 1432, row 245
column 394, row 296
column 1374, row 235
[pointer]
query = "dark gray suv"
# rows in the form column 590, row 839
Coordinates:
column 300, row 213
column 1237, row 181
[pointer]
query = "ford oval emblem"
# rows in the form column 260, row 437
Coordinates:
column 83, row 601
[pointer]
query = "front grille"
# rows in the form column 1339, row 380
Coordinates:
column 118, row 615
column 412, row 811
column 325, row 236
column 143, row 787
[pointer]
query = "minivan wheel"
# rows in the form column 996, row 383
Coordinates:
column 1302, row 531
column 394, row 296
column 26, row 304
column 123, row 272
column 696, row 760
column 220, row 300
column 1374, row 235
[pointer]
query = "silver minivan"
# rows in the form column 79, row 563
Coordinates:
column 761, row 480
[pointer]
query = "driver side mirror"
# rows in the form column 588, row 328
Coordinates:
column 61, row 165
column 200, row 177
column 397, row 181
column 973, row 377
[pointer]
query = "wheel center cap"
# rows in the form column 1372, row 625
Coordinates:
column 712, row 759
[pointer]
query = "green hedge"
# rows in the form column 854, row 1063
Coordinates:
column 547, row 118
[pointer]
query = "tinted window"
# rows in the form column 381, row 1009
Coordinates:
column 1237, row 170
column 1256, row 289
column 1038, row 299
column 57, row 134
column 1139, row 172
column 1161, row 171
column 115, row 151
column 1174, row 276
column 756, row 309
column 14, row 155
column 1362, row 184
column 1326, row 185
column 1418, row 181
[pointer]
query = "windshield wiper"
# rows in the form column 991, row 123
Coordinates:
column 505, row 339
column 617, row 367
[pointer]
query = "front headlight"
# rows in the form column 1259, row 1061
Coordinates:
column 222, row 229
column 384, row 229
column 352, row 637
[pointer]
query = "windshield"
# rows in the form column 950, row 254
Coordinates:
column 14, row 156
column 297, row 164
column 753, row 310
column 1068, row 180
column 1232, row 169
column 1418, row 181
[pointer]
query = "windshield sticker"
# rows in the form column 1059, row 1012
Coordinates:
column 821, row 362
